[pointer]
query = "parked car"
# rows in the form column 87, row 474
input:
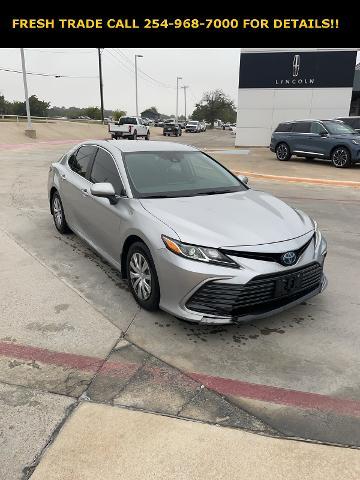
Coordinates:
column 353, row 122
column 193, row 126
column 252, row 265
column 328, row 139
column 158, row 123
column 202, row 127
column 182, row 125
column 129, row 127
column 226, row 126
column 172, row 128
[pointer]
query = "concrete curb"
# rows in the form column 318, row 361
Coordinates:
column 313, row 181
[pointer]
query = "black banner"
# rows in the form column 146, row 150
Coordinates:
column 297, row 69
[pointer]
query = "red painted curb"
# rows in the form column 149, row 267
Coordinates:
column 224, row 386
column 311, row 181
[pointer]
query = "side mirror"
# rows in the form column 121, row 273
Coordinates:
column 243, row 179
column 323, row 134
column 105, row 190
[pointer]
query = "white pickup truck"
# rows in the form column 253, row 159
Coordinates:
column 129, row 127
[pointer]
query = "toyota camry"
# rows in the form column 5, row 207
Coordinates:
column 190, row 237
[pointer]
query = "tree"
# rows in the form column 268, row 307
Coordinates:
column 215, row 105
column 92, row 112
column 116, row 114
column 38, row 108
column 151, row 113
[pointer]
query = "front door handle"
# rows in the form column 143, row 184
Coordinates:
column 63, row 176
column 84, row 192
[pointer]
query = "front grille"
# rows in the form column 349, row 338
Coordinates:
column 261, row 294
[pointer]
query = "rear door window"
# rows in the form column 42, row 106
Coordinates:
column 302, row 127
column 80, row 160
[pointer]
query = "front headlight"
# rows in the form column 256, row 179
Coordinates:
column 201, row 254
column 320, row 241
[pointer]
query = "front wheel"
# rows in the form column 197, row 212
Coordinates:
column 283, row 152
column 142, row 277
column 57, row 210
column 341, row 157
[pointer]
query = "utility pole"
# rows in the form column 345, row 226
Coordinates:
column 101, row 86
column 177, row 98
column 136, row 84
column 30, row 131
column 185, row 87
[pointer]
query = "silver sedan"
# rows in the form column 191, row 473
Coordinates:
column 191, row 238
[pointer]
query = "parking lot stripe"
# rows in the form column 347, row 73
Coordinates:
column 223, row 386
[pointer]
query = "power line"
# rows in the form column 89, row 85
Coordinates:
column 158, row 82
column 55, row 75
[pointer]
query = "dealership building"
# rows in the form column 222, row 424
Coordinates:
column 276, row 85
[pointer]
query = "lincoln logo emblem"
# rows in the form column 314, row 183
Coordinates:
column 296, row 65
column 288, row 258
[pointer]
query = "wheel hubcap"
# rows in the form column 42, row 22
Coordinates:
column 282, row 152
column 140, row 276
column 340, row 157
column 57, row 212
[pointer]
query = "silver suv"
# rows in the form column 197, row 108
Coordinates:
column 328, row 139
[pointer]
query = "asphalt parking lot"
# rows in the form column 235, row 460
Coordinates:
column 72, row 333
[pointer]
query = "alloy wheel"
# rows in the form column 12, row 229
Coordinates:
column 340, row 157
column 140, row 276
column 282, row 151
column 57, row 209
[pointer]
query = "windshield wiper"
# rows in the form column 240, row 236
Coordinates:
column 157, row 196
column 212, row 192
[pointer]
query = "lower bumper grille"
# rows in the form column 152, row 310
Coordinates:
column 262, row 294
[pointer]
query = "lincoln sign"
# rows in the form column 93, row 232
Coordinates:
column 297, row 69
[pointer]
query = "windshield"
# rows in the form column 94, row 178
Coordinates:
column 177, row 174
column 338, row 127
column 127, row 121
column 193, row 123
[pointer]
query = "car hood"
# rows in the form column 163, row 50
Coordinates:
column 235, row 219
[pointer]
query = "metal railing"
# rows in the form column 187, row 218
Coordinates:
column 36, row 119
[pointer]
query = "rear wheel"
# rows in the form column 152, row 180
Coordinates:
column 282, row 152
column 341, row 157
column 142, row 276
column 59, row 214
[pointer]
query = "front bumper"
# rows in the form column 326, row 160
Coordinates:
column 183, row 282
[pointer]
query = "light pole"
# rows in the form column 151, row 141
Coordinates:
column 177, row 97
column 136, row 84
column 101, row 86
column 30, row 131
column 185, row 87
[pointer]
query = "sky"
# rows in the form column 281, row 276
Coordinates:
column 201, row 70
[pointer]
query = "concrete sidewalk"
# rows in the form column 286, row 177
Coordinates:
column 107, row 443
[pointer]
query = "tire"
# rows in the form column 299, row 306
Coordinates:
column 341, row 157
column 180, row 133
column 147, row 136
column 58, row 214
column 283, row 152
column 146, row 291
column 164, row 134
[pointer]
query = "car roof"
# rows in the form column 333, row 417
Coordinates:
column 312, row 120
column 125, row 146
